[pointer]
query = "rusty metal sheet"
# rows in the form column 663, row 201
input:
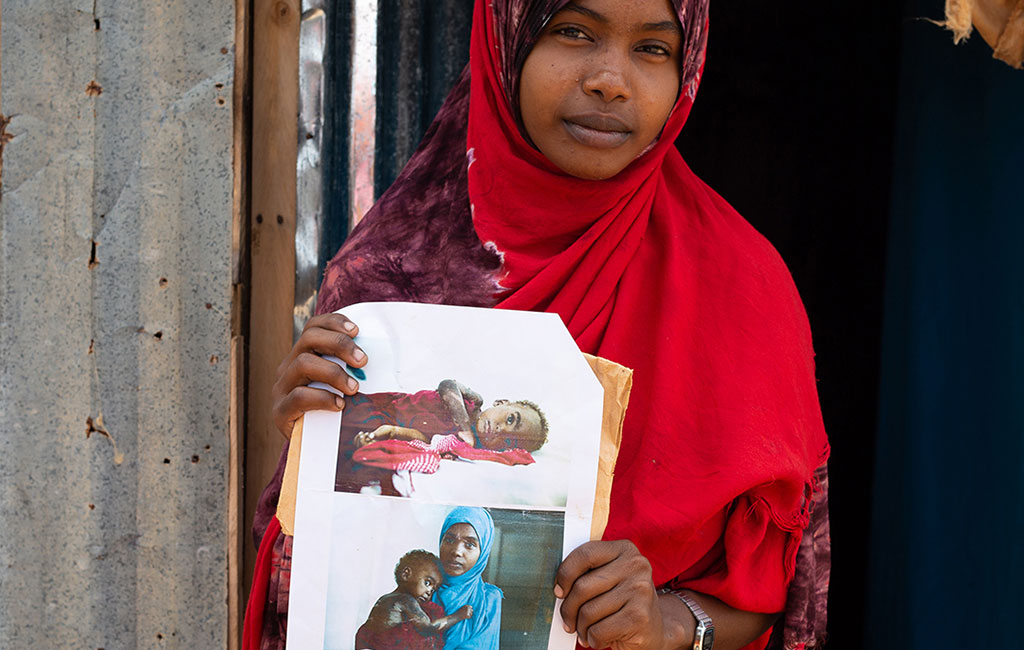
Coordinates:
column 427, row 49
column 115, row 288
column 308, row 175
column 363, row 110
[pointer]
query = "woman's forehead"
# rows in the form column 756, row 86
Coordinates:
column 594, row 8
column 545, row 10
column 461, row 530
column 520, row 23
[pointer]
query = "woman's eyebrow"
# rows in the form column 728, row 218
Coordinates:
column 664, row 26
column 590, row 13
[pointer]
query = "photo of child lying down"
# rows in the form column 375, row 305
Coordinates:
column 412, row 433
column 454, row 409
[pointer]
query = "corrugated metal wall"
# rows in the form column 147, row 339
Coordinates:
column 423, row 45
column 423, row 48
column 115, row 290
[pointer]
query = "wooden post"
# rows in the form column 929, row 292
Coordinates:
column 242, row 134
column 272, row 243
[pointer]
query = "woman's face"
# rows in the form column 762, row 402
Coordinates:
column 460, row 549
column 600, row 83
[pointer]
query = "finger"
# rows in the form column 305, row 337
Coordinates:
column 619, row 628
column 596, row 610
column 585, row 558
column 313, row 337
column 300, row 401
column 309, row 367
column 328, row 342
column 590, row 586
column 335, row 322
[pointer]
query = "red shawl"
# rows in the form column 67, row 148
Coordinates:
column 655, row 271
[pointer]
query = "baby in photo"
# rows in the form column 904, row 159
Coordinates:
column 451, row 409
column 406, row 617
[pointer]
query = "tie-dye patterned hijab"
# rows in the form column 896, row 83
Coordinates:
column 651, row 269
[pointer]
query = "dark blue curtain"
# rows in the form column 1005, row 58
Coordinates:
column 947, row 551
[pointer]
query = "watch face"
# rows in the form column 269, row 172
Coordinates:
column 709, row 639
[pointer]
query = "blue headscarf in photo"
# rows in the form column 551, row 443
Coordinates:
column 481, row 631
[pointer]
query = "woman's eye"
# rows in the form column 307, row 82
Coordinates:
column 574, row 33
column 510, row 420
column 657, row 50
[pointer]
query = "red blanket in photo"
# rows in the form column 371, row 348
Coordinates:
column 404, row 636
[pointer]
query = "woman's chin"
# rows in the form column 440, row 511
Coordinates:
column 594, row 171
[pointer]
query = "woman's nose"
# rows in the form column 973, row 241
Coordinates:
column 607, row 85
column 608, row 80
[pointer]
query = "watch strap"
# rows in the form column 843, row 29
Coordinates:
column 705, row 633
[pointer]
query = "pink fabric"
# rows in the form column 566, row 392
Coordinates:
column 417, row 456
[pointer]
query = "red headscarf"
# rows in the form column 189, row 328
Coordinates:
column 655, row 271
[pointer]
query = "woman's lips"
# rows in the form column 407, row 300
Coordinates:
column 597, row 130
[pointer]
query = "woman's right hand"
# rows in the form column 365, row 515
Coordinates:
column 326, row 334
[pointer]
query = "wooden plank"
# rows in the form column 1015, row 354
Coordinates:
column 236, row 536
column 274, row 149
column 242, row 94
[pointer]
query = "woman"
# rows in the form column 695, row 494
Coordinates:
column 550, row 182
column 465, row 547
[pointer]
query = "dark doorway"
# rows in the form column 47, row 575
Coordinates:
column 793, row 125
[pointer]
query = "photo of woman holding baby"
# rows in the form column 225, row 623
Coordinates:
column 438, row 577
column 465, row 547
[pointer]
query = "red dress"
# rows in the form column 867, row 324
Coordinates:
column 404, row 636
column 424, row 411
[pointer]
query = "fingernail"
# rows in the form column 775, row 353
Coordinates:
column 349, row 326
column 558, row 592
column 340, row 403
column 352, row 385
column 565, row 626
column 358, row 355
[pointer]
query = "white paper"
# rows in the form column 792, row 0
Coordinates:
column 346, row 544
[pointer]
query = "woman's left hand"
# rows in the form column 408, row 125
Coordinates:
column 610, row 598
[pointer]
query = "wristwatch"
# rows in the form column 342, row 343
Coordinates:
column 704, row 639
